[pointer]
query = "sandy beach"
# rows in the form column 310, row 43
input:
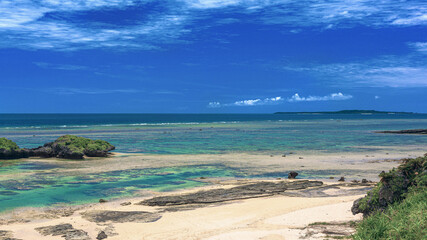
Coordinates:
column 285, row 215
column 276, row 217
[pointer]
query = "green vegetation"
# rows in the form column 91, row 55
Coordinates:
column 67, row 146
column 396, row 207
column 403, row 220
column 8, row 145
column 81, row 145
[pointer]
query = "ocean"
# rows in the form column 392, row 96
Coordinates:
column 32, row 183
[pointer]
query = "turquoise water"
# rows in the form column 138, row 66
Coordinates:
column 44, row 184
column 47, row 188
column 247, row 133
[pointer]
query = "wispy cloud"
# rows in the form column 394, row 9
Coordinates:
column 68, row 67
column 419, row 46
column 385, row 71
column 277, row 100
column 56, row 25
column 91, row 91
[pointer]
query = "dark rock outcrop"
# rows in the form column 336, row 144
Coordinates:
column 10, row 150
column 101, row 235
column 64, row 230
column 410, row 131
column 261, row 189
column 67, row 146
column 7, row 235
column 100, row 216
column 292, row 175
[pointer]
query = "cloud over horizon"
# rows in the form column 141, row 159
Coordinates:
column 277, row 100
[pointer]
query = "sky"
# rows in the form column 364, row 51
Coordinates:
column 212, row 56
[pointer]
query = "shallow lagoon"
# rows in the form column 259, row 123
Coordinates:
column 39, row 183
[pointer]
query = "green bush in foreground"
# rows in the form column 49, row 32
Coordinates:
column 396, row 207
column 404, row 220
column 393, row 186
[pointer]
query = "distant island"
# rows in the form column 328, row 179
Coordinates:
column 347, row 112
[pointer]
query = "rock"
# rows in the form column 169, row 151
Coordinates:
column 55, row 230
column 331, row 177
column 7, row 235
column 355, row 208
column 284, row 155
column 342, row 179
column 261, row 189
column 410, row 131
column 10, row 150
column 300, row 158
column 100, row 216
column 101, row 235
column 364, row 181
column 102, row 200
column 292, row 175
column 64, row 230
column 67, row 146
column 125, row 203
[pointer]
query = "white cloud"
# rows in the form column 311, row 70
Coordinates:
column 277, row 100
column 331, row 97
column 255, row 102
column 214, row 104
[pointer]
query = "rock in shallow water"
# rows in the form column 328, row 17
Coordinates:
column 292, row 175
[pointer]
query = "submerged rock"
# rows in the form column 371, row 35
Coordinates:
column 342, row 179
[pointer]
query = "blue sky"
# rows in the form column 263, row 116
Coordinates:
column 212, row 56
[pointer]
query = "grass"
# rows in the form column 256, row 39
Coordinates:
column 403, row 220
column 396, row 208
